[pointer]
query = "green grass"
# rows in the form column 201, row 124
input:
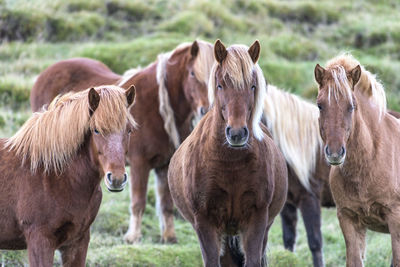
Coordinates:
column 295, row 35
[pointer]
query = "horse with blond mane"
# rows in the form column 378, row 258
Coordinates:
column 228, row 178
column 362, row 143
column 293, row 123
column 51, row 171
column 169, row 92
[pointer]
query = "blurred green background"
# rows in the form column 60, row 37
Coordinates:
column 295, row 35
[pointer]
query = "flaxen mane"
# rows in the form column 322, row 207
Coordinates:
column 52, row 137
column 238, row 68
column 368, row 84
column 293, row 123
column 201, row 68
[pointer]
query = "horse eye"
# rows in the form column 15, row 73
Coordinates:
column 129, row 131
column 192, row 73
column 351, row 108
column 96, row 131
column 219, row 87
column 253, row 88
column 319, row 106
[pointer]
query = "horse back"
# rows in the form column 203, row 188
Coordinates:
column 74, row 74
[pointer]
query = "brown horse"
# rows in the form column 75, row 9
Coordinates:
column 362, row 143
column 51, row 171
column 168, row 92
column 228, row 178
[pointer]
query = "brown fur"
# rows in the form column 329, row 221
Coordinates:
column 150, row 147
column 222, row 190
column 48, row 208
column 365, row 185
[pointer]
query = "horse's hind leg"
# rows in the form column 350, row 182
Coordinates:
column 40, row 250
column 75, row 254
column 311, row 213
column 289, row 222
column 165, row 206
column 139, row 179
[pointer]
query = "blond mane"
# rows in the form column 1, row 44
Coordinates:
column 293, row 123
column 52, row 137
column 201, row 68
column 238, row 68
column 368, row 84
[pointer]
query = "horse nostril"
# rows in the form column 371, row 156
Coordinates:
column 228, row 131
column 342, row 151
column 109, row 177
column 203, row 111
column 245, row 132
column 327, row 152
column 125, row 178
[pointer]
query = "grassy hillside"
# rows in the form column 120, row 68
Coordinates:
column 295, row 35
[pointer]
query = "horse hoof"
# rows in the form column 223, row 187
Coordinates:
column 132, row 238
column 169, row 240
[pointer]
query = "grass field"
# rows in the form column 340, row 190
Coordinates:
column 295, row 35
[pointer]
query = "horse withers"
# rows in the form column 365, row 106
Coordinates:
column 170, row 91
column 51, row 171
column 362, row 143
column 228, row 178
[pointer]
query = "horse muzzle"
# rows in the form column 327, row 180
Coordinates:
column 335, row 158
column 115, row 184
column 237, row 137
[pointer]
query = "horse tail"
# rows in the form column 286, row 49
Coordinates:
column 233, row 253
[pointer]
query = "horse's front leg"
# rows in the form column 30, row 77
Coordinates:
column 210, row 242
column 254, row 238
column 354, row 236
column 139, row 178
column 40, row 249
column 394, row 229
column 75, row 253
column 165, row 206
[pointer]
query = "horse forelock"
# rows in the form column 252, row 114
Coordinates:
column 52, row 137
column 293, row 123
column 238, row 69
column 368, row 84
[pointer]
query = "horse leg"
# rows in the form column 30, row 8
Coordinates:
column 289, row 222
column 75, row 254
column 40, row 250
column 254, row 239
column 165, row 206
column 394, row 229
column 209, row 242
column 139, row 179
column 311, row 213
column 354, row 236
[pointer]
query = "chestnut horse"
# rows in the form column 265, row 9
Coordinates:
column 228, row 178
column 51, row 171
column 362, row 143
column 168, row 92
column 308, row 169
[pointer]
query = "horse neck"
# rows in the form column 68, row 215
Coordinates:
column 362, row 144
column 84, row 171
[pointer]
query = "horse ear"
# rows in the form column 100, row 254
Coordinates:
column 355, row 74
column 220, row 52
column 319, row 74
column 254, row 51
column 130, row 95
column 94, row 100
column 194, row 50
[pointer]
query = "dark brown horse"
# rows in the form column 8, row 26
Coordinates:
column 228, row 178
column 169, row 91
column 362, row 143
column 51, row 171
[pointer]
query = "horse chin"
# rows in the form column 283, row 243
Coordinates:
column 335, row 161
column 240, row 145
column 115, row 189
